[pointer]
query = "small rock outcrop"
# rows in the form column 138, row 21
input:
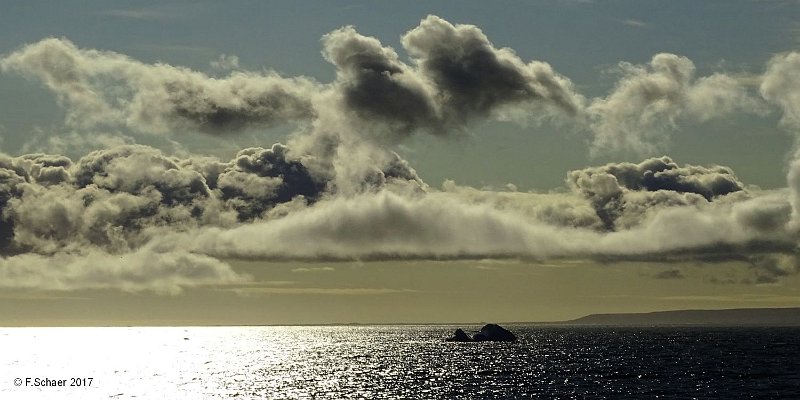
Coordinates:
column 494, row 333
column 459, row 336
column 489, row 333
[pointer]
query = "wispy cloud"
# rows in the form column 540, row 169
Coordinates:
column 634, row 23
column 670, row 274
column 312, row 269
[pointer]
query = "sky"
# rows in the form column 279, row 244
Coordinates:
column 258, row 162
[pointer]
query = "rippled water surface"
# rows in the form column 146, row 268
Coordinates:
column 401, row 362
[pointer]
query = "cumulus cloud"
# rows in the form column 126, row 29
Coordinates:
column 780, row 85
column 650, row 99
column 116, row 198
column 225, row 62
column 625, row 191
column 136, row 202
column 258, row 179
column 473, row 77
column 456, row 75
column 376, row 86
column 94, row 218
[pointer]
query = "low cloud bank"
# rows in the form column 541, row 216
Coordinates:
column 156, row 222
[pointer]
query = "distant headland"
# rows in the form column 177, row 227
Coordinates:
column 727, row 317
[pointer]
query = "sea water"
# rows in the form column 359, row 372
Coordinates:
column 397, row 362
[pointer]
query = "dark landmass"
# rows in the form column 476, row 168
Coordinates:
column 730, row 317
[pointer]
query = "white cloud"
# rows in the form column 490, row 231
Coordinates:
column 226, row 62
column 649, row 100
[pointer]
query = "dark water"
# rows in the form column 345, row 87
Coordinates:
column 407, row 362
column 412, row 362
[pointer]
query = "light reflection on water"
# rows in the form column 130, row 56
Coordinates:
column 400, row 362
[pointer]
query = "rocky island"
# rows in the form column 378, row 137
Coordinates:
column 489, row 333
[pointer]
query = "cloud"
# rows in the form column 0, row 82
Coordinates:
column 624, row 191
column 473, row 77
column 258, row 179
column 650, row 99
column 136, row 202
column 438, row 225
column 456, row 76
column 313, row 269
column 95, row 218
column 556, row 209
column 118, row 198
column 336, row 192
column 101, row 88
column 780, row 85
column 72, row 143
column 225, row 62
column 670, row 274
column 634, row 23
column 163, row 273
column 376, row 85
column 771, row 267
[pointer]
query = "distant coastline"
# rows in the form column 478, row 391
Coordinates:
column 725, row 317
column 774, row 317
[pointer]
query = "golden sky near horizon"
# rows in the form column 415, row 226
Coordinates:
column 408, row 292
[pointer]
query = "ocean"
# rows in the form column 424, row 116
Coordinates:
column 340, row 362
